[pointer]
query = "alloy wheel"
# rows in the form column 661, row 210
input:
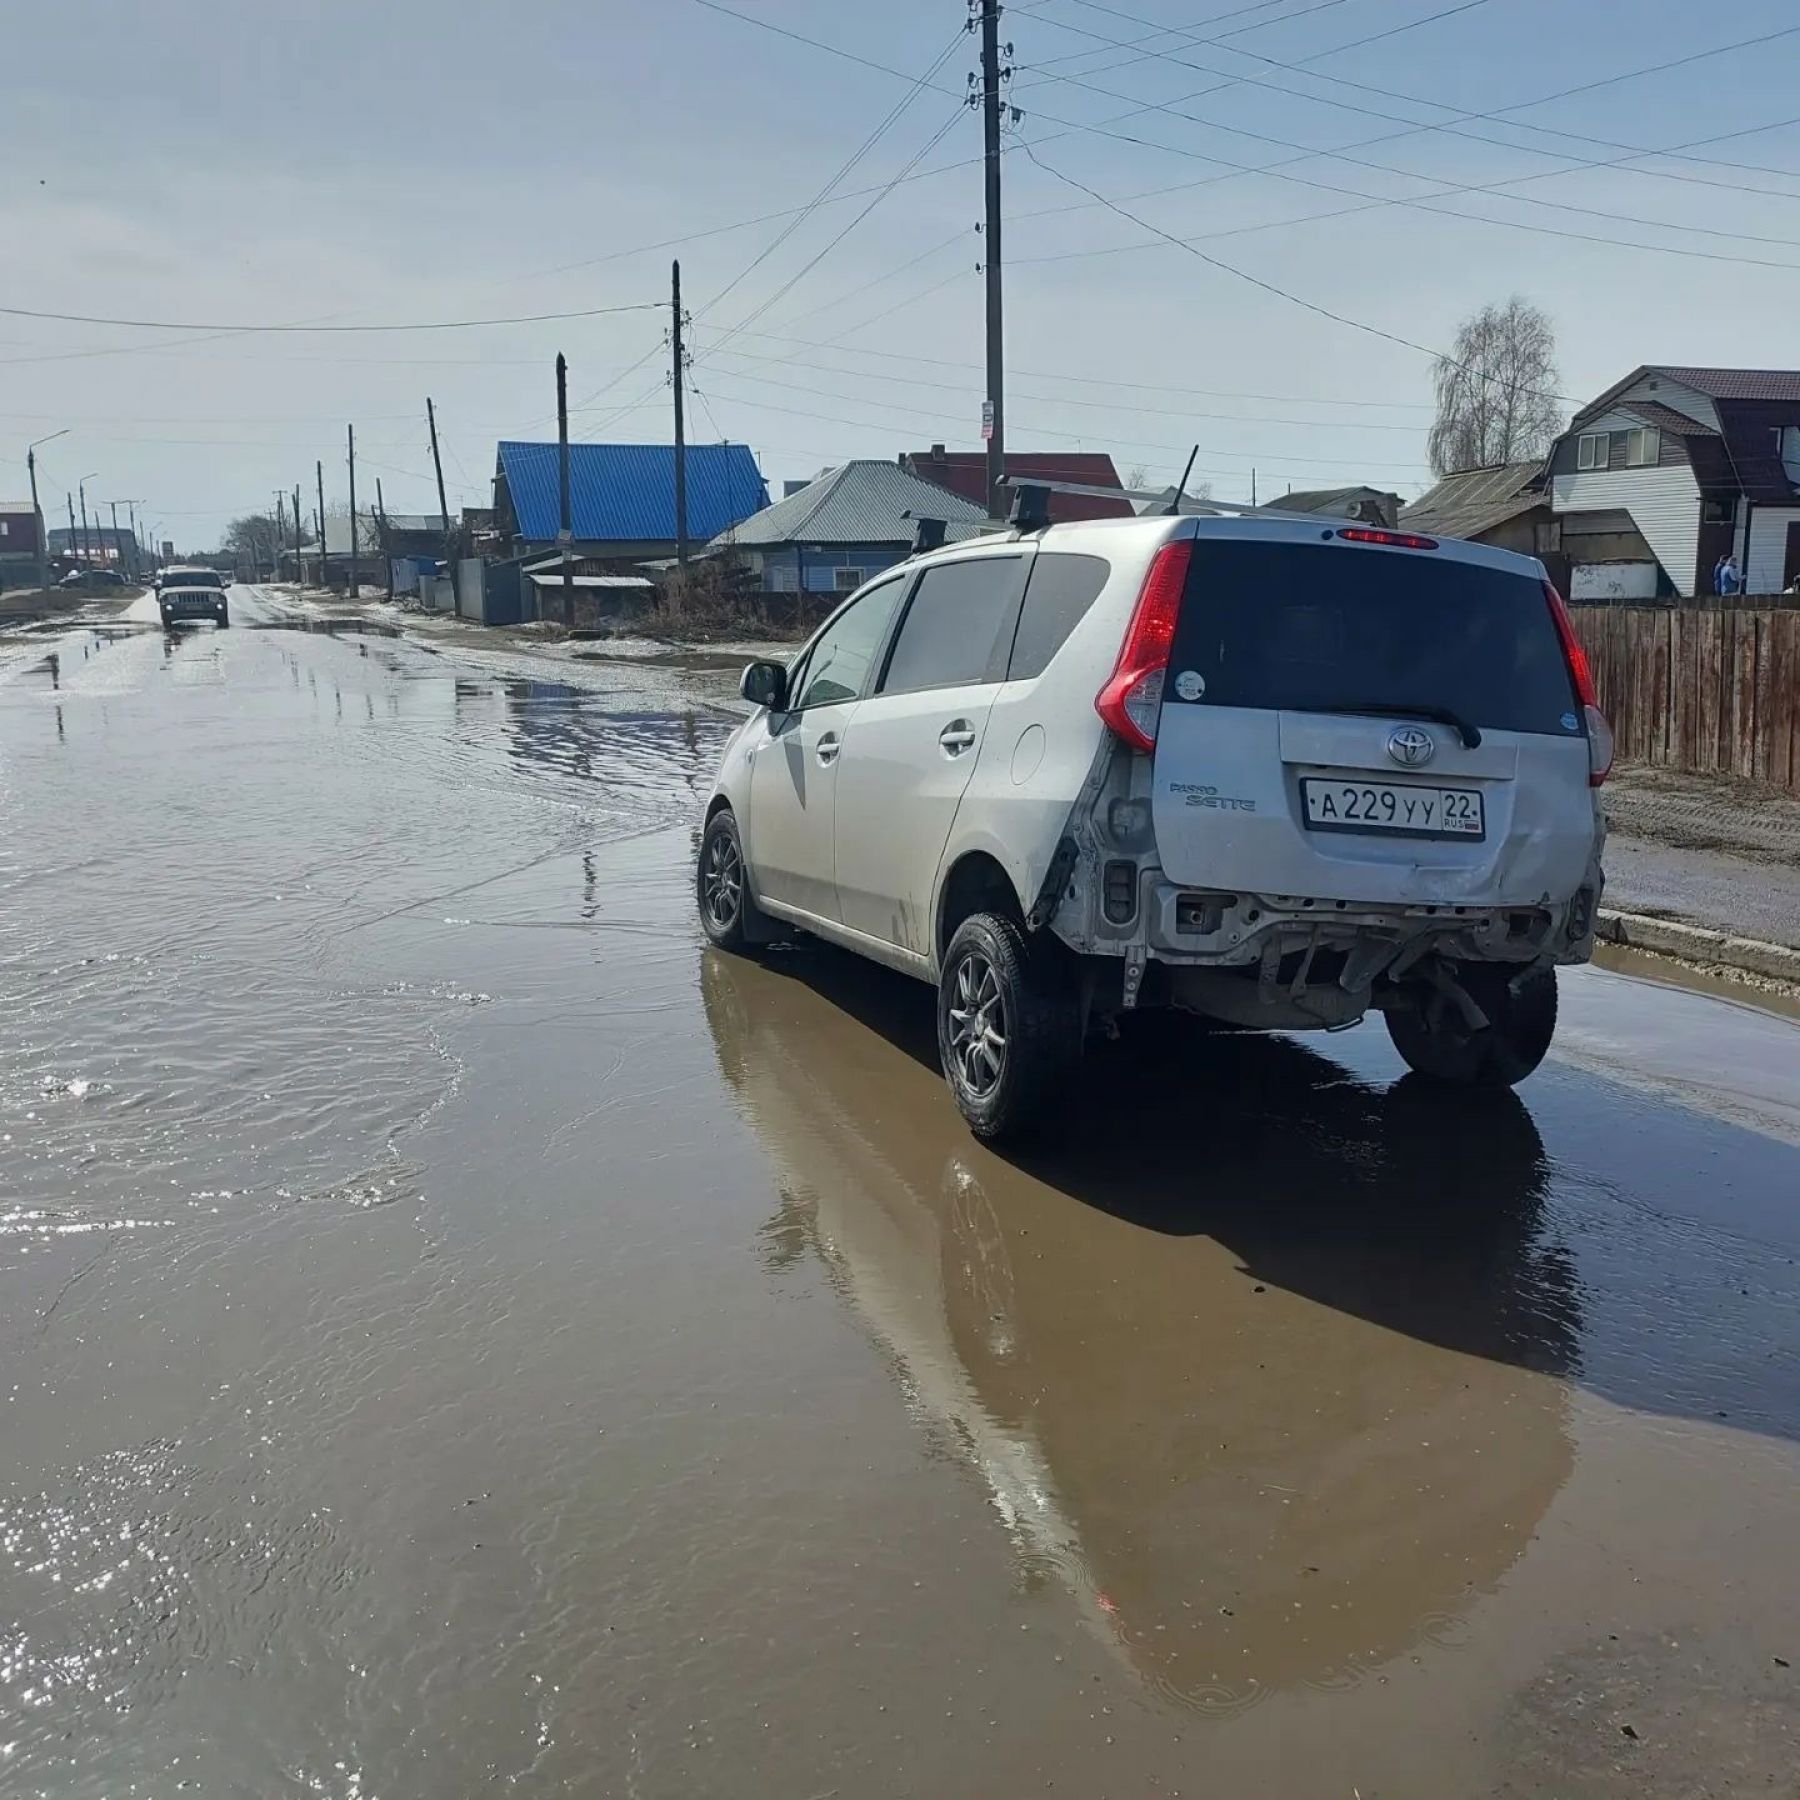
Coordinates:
column 722, row 885
column 978, row 1025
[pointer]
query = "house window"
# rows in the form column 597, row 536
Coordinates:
column 1775, row 433
column 1715, row 512
column 1642, row 446
column 784, row 578
column 1591, row 449
column 5, row 529
column 849, row 580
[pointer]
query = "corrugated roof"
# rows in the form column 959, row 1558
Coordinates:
column 965, row 472
column 1735, row 384
column 1322, row 500
column 859, row 503
column 418, row 522
column 1666, row 418
column 626, row 492
column 1472, row 501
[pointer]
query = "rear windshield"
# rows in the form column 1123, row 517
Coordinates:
column 1313, row 627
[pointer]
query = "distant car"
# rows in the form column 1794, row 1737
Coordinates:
column 181, row 600
column 92, row 578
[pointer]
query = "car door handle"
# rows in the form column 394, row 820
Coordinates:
column 828, row 747
column 956, row 737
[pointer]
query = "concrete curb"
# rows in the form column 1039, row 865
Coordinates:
column 1696, row 944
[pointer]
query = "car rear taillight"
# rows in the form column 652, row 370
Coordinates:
column 1132, row 697
column 1599, row 732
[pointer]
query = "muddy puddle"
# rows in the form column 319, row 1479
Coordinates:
column 456, row 1333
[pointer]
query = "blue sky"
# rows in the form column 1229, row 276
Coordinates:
column 405, row 163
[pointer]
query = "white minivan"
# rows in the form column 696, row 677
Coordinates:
column 1273, row 770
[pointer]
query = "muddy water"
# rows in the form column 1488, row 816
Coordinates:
column 454, row 1332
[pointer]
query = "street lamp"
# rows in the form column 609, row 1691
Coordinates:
column 87, row 551
column 43, row 536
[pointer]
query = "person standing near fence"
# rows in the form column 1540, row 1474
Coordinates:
column 1729, row 580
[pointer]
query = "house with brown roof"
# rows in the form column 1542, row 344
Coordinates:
column 1672, row 468
column 965, row 472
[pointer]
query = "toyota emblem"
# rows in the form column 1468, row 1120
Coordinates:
column 1411, row 745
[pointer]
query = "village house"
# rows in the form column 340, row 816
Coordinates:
column 965, row 472
column 621, row 499
column 833, row 533
column 1672, row 468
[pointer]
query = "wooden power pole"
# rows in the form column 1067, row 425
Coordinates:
column 387, row 548
column 319, row 476
column 299, row 566
column 437, row 463
column 679, row 381
column 993, row 426
column 350, row 440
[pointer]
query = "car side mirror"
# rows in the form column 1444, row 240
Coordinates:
column 764, row 683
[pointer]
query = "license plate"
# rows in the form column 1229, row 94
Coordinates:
column 1398, row 809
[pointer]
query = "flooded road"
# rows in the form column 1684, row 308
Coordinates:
column 455, row 1333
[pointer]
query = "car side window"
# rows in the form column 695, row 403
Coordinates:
column 839, row 665
column 951, row 635
column 1062, row 588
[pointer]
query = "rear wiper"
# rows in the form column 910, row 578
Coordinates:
column 1439, row 715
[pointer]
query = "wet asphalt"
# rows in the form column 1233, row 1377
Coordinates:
column 457, row 1333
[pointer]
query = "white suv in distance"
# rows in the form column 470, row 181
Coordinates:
column 1273, row 770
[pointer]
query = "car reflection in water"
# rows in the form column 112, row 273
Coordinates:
column 1261, row 1367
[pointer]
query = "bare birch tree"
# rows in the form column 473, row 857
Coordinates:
column 1496, row 399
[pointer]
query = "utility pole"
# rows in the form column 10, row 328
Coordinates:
column 681, row 531
column 350, row 440
column 387, row 548
column 299, row 571
column 137, row 562
column 280, row 534
column 117, row 556
column 565, row 531
column 37, row 524
column 87, row 543
column 319, row 472
column 437, row 463
column 994, row 425
column 72, row 539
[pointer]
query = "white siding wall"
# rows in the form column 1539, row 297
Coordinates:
column 1673, row 394
column 1763, row 567
column 1664, row 504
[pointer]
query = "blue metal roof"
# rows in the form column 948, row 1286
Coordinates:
column 626, row 492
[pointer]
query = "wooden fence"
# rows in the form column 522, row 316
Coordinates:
column 1701, row 689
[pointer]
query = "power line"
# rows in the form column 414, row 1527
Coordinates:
column 1269, row 287
column 1168, row 412
column 1107, row 381
column 1421, row 203
column 915, row 86
column 1415, row 127
column 955, row 419
column 591, row 312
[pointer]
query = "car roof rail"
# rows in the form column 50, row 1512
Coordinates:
column 1189, row 507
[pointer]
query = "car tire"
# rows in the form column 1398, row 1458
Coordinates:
column 729, row 915
column 1009, row 1028
column 1435, row 1040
